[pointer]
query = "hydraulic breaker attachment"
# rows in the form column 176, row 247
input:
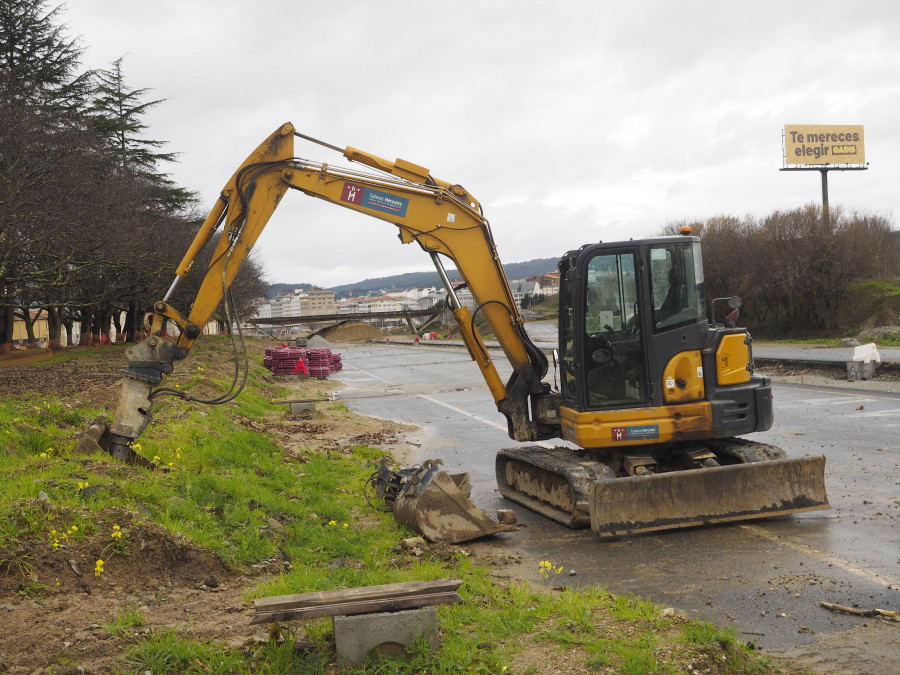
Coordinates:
column 437, row 506
column 675, row 499
column 98, row 437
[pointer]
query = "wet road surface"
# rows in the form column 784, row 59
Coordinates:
column 765, row 577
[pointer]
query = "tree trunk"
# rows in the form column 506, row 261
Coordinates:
column 96, row 323
column 29, row 325
column 7, row 321
column 85, row 321
column 54, row 326
column 69, row 324
column 131, row 321
column 104, row 323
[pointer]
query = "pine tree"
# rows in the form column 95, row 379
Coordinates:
column 38, row 62
column 117, row 113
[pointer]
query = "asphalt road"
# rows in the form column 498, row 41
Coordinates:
column 766, row 577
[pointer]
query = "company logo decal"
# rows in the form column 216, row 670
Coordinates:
column 374, row 199
column 641, row 433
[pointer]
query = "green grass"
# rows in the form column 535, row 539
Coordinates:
column 233, row 489
column 879, row 288
column 126, row 621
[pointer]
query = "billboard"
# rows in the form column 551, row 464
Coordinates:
column 824, row 144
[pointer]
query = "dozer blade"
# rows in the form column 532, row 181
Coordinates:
column 704, row 496
column 434, row 505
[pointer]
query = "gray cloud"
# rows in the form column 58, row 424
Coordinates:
column 570, row 121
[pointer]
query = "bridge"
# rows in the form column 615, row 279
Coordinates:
column 406, row 314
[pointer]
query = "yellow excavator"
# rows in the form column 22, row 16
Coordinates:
column 653, row 397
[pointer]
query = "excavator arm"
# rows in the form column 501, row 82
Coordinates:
column 443, row 218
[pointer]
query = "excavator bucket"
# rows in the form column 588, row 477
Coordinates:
column 436, row 505
column 722, row 494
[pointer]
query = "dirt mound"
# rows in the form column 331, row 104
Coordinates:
column 350, row 331
column 146, row 557
column 57, row 609
column 318, row 342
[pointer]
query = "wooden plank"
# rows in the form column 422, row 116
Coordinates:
column 365, row 593
column 299, row 400
column 357, row 607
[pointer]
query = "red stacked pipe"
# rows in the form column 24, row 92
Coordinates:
column 319, row 363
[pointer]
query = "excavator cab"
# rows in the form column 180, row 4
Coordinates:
column 626, row 309
column 657, row 398
column 634, row 336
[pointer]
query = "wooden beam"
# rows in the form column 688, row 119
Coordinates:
column 299, row 400
column 350, row 601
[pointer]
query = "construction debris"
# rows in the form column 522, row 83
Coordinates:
column 351, row 601
column 883, row 613
column 433, row 502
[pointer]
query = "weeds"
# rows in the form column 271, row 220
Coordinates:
column 126, row 621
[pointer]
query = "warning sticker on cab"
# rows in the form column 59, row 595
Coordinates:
column 642, row 433
column 374, row 199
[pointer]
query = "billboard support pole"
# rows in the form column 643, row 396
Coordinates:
column 821, row 144
column 824, row 171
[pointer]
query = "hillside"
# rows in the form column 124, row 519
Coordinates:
column 399, row 282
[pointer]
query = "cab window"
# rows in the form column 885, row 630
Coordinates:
column 676, row 285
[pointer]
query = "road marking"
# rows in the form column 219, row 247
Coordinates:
column 861, row 572
column 823, row 402
column 879, row 413
column 834, row 393
column 459, row 411
column 466, row 413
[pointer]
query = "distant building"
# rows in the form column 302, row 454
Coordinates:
column 549, row 283
column 299, row 303
column 522, row 287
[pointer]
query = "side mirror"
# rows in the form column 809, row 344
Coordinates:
column 734, row 303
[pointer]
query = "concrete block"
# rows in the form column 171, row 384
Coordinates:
column 302, row 407
column 355, row 637
column 860, row 370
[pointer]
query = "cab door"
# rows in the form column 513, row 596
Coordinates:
column 603, row 356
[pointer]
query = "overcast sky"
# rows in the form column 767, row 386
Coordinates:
column 571, row 122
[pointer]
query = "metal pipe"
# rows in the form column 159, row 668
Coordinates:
column 318, row 142
column 454, row 301
column 171, row 289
